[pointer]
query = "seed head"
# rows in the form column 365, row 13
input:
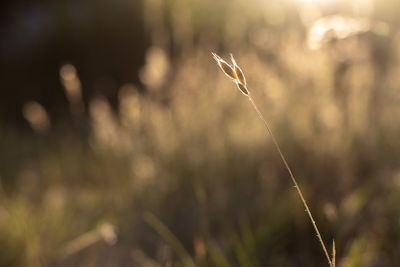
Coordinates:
column 225, row 67
column 235, row 73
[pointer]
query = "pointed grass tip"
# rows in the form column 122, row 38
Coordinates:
column 333, row 253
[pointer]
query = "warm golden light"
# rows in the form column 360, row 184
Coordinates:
column 72, row 86
column 315, row 1
column 36, row 116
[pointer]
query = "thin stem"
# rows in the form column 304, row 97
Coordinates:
column 292, row 177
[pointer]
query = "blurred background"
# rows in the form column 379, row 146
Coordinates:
column 123, row 144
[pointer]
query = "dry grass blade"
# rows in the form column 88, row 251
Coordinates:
column 333, row 253
column 163, row 230
column 241, row 83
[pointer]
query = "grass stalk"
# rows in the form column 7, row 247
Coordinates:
column 235, row 73
column 292, row 177
column 163, row 230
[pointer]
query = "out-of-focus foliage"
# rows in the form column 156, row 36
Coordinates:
column 182, row 172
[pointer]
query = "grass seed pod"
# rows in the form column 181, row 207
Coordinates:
column 242, row 88
column 225, row 67
column 238, row 72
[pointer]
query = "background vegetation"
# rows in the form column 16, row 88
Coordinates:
column 122, row 143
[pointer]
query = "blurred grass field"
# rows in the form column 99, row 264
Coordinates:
column 180, row 171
